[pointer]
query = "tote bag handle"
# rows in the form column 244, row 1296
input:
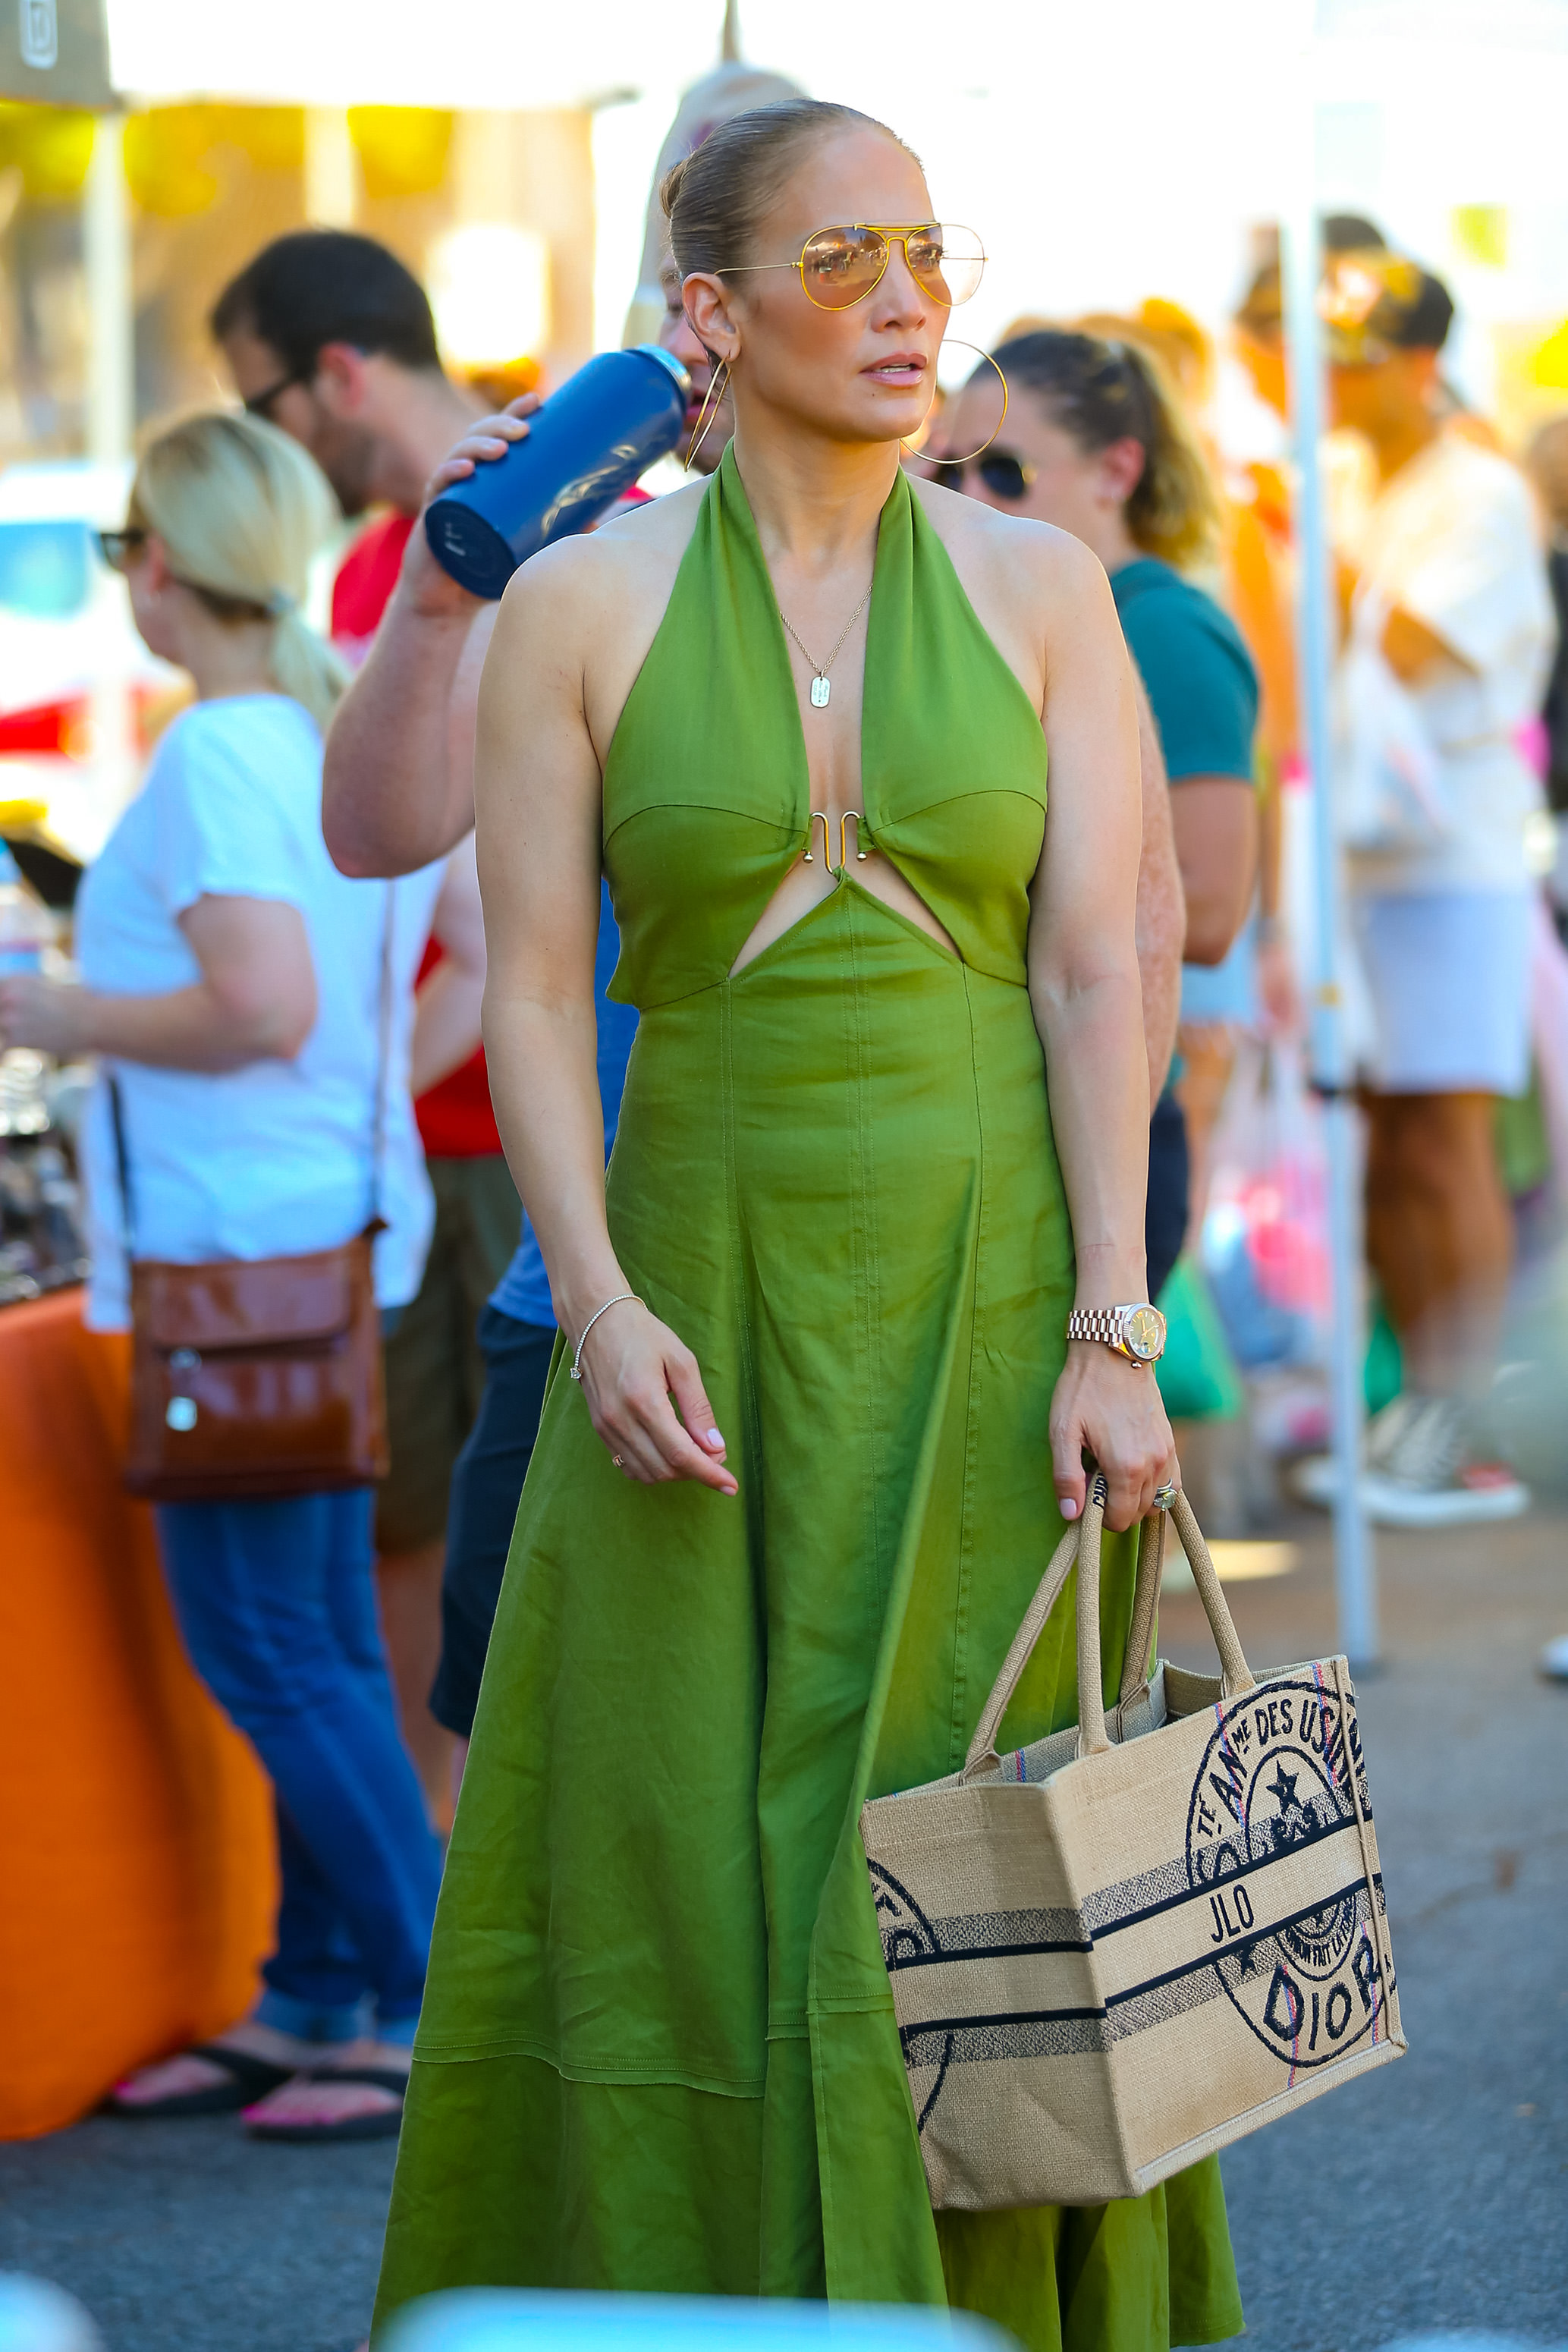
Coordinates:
column 1081, row 1544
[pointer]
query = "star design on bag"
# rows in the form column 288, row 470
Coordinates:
column 1283, row 1787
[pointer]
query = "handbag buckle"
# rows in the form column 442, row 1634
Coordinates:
column 179, row 1412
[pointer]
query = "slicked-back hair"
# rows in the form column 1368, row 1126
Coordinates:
column 716, row 200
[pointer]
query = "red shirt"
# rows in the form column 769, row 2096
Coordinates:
column 455, row 1120
column 366, row 577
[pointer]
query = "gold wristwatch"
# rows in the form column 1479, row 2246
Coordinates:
column 1137, row 1332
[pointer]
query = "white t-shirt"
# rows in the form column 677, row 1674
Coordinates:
column 273, row 1159
column 1453, row 539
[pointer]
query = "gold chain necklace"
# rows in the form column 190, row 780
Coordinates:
column 820, row 688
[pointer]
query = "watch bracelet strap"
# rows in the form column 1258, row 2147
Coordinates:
column 1102, row 1323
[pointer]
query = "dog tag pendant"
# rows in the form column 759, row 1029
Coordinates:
column 820, row 689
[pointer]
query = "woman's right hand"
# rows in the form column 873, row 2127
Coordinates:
column 632, row 1366
column 434, row 589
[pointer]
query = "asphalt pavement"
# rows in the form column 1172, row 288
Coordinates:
column 1430, row 2197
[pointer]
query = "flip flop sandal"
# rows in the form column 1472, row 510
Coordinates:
column 384, row 2125
column 250, row 2079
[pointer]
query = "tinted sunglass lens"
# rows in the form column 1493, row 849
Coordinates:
column 1003, row 475
column 950, row 477
column 841, row 265
column 948, row 262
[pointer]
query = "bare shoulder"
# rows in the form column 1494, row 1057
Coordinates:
column 1025, row 560
column 589, row 608
column 1033, row 587
column 622, row 559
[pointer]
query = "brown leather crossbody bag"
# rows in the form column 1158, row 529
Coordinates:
column 253, row 1377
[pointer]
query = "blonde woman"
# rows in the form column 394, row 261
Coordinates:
column 231, row 980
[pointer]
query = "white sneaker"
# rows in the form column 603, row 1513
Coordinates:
column 1483, row 1492
column 1316, row 1479
column 1416, row 1474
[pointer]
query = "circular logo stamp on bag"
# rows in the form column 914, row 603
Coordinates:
column 1273, row 1793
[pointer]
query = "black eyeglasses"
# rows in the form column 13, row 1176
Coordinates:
column 260, row 402
column 116, row 546
column 1005, row 475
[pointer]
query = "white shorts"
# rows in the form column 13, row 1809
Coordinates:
column 1449, row 975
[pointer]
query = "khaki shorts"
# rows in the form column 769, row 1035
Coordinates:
column 434, row 1371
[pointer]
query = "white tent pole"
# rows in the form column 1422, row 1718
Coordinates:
column 331, row 168
column 106, row 257
column 111, row 431
column 1355, row 1584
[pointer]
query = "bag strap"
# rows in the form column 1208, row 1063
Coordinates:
column 122, row 1162
column 1080, row 1544
column 982, row 1748
column 1140, row 1659
column 383, row 1056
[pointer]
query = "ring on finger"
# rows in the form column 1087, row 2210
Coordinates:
column 618, row 1460
column 1165, row 1495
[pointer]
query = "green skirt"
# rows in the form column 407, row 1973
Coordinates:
column 658, row 2049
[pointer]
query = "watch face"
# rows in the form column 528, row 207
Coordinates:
column 1144, row 1333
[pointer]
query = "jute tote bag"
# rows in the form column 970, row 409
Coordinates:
column 1121, row 1947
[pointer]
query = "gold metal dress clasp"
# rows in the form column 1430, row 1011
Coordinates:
column 819, row 818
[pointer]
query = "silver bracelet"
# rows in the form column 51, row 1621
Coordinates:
column 616, row 1301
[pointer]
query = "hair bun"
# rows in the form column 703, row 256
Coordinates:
column 670, row 187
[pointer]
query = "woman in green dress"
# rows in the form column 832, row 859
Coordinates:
column 884, row 1125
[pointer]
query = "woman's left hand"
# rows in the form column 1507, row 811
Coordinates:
column 1113, row 1406
column 43, row 1014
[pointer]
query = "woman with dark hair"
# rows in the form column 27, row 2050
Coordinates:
column 882, row 1137
column 1096, row 441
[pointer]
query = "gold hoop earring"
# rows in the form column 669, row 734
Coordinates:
column 1000, row 421
column 718, row 384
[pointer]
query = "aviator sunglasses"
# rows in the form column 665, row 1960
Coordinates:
column 840, row 266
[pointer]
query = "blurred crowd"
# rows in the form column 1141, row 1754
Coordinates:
column 291, row 1052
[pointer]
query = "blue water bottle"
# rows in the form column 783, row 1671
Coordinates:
column 587, row 445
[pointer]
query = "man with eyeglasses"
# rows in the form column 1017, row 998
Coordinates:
column 327, row 335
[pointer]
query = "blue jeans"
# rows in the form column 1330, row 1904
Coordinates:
column 483, row 1510
column 276, row 1605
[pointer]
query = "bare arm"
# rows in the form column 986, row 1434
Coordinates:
column 537, row 794
column 1161, row 924
column 1410, row 646
column 1085, row 986
column 397, row 789
column 256, row 1001
column 1215, row 819
column 446, row 1019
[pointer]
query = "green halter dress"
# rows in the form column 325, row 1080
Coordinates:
column 657, row 2049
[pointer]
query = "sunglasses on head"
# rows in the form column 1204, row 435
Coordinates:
column 840, row 266
column 1003, row 474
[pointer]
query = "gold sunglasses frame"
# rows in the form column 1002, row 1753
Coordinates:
column 892, row 233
